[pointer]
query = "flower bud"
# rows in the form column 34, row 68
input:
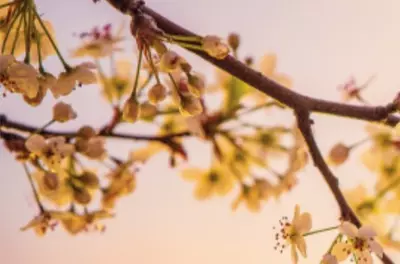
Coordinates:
column 36, row 143
column 63, row 112
column 169, row 61
column 214, row 47
column 234, row 40
column 338, row 154
column 159, row 46
column 50, row 180
column 130, row 111
column 147, row 111
column 157, row 93
column 190, row 106
column 95, row 148
column 249, row 61
column 86, row 132
column 35, row 101
column 81, row 145
column 82, row 196
column 89, row 179
column 196, row 85
column 186, row 67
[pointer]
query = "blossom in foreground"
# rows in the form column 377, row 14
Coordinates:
column 360, row 243
column 292, row 233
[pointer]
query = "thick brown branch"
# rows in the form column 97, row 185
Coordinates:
column 276, row 91
column 304, row 124
column 9, row 124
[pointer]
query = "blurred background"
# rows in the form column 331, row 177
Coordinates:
column 319, row 43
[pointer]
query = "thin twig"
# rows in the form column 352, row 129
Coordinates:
column 9, row 124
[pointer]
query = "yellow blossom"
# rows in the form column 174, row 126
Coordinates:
column 215, row 181
column 360, row 242
column 252, row 195
column 292, row 233
column 122, row 181
column 81, row 74
column 54, row 186
column 99, row 43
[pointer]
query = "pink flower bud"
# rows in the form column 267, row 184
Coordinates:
column 214, row 47
column 196, row 85
column 338, row 154
column 169, row 61
column 63, row 112
column 190, row 106
column 131, row 110
column 147, row 111
column 157, row 93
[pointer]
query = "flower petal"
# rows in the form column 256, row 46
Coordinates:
column 341, row 251
column 293, row 253
column 268, row 64
column 296, row 213
column 376, row 248
column 366, row 232
column 348, row 229
column 303, row 223
column 363, row 257
column 301, row 245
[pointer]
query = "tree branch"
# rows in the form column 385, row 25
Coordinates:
column 304, row 124
column 301, row 104
column 288, row 97
column 9, row 124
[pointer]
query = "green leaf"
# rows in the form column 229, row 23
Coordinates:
column 235, row 90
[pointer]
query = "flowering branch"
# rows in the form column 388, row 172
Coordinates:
column 9, row 124
column 304, row 123
column 302, row 105
column 254, row 78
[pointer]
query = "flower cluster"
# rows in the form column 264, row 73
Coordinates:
column 23, row 32
column 351, row 242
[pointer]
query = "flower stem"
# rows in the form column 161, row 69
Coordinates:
column 188, row 45
column 14, row 45
column 35, row 193
column 7, row 4
column 10, row 26
column 139, row 64
column 185, row 38
column 38, row 43
column 40, row 129
column 175, row 85
column 28, row 22
column 358, row 143
column 153, row 67
column 320, row 230
column 46, row 31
